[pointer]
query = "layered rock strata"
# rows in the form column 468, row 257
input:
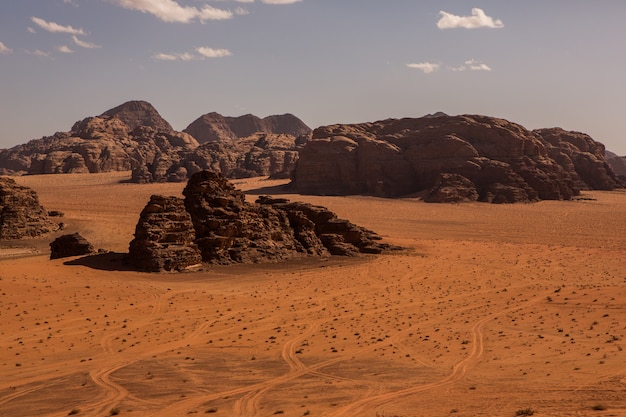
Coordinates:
column 21, row 215
column 164, row 237
column 451, row 158
column 217, row 226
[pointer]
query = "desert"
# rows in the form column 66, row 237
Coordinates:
column 489, row 310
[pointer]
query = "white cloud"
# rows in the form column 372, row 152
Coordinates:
column 472, row 65
column 38, row 52
column 203, row 52
column 426, row 67
column 213, row 53
column 55, row 27
column 478, row 19
column 171, row 11
column 240, row 11
column 175, row 57
column 31, row 30
column 65, row 49
column 280, row 1
column 84, row 44
column 5, row 49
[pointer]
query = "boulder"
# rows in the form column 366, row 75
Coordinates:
column 21, row 215
column 70, row 245
column 164, row 237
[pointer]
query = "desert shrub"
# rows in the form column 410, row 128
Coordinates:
column 525, row 412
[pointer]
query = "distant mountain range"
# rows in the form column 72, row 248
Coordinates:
column 134, row 136
column 442, row 157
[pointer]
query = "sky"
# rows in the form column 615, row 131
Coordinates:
column 556, row 63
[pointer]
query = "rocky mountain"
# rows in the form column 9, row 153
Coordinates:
column 21, row 215
column 452, row 158
column 133, row 136
column 121, row 139
column 617, row 163
column 216, row 225
column 213, row 127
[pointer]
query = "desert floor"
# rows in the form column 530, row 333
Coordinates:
column 493, row 310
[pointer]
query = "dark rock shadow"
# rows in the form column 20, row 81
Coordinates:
column 111, row 261
column 271, row 190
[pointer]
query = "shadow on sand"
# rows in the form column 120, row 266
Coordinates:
column 271, row 190
column 111, row 261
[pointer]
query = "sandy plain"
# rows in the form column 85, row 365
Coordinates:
column 493, row 310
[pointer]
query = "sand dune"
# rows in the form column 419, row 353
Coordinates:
column 491, row 311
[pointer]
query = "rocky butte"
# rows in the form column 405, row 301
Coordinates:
column 214, row 224
column 450, row 159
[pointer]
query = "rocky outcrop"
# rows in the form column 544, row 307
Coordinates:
column 70, row 245
column 618, row 164
column 450, row 158
column 164, row 237
column 216, row 225
column 127, row 137
column 238, row 147
column 213, row 127
column 261, row 154
column 586, row 156
column 21, row 215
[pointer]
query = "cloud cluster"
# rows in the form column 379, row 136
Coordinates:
column 202, row 52
column 171, row 11
column 478, row 19
column 54, row 27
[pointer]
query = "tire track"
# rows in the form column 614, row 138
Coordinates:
column 365, row 405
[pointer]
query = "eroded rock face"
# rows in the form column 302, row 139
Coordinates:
column 230, row 230
column 618, row 164
column 127, row 137
column 503, row 161
column 70, row 245
column 164, row 237
column 21, row 215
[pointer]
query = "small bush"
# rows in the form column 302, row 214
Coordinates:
column 73, row 412
column 525, row 412
column 114, row 411
column 598, row 407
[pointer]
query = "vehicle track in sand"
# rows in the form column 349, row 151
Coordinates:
column 459, row 370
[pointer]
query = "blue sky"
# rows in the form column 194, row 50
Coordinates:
column 538, row 63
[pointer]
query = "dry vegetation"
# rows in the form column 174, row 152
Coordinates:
column 493, row 310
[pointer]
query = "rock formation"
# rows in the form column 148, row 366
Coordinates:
column 618, row 164
column 217, row 221
column 124, row 138
column 134, row 137
column 261, row 154
column 451, row 158
column 21, row 215
column 213, row 127
column 164, row 237
column 70, row 245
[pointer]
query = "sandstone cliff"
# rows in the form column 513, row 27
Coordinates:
column 21, row 215
column 617, row 163
column 451, row 158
